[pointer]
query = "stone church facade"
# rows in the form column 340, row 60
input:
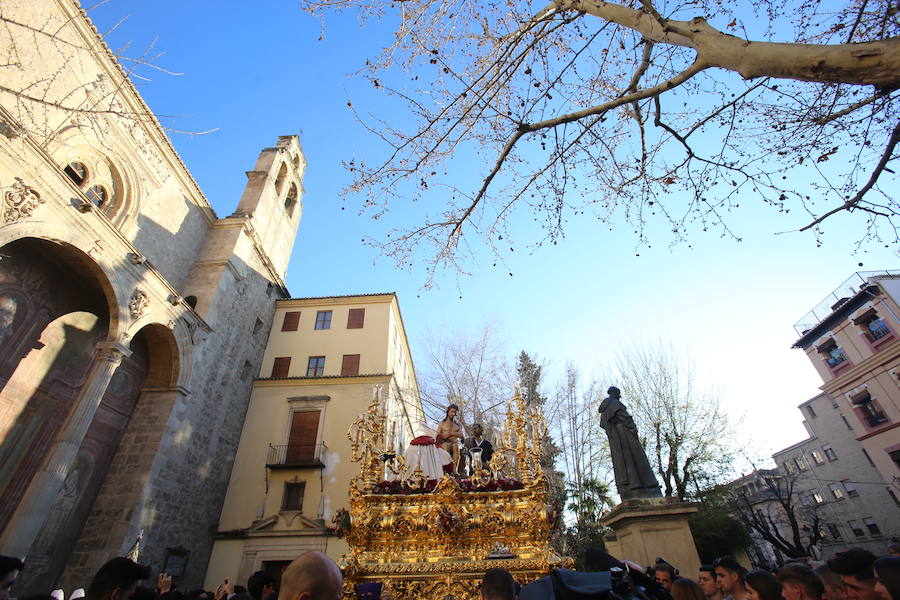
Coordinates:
column 133, row 319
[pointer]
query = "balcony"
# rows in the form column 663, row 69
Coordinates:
column 295, row 456
column 837, row 298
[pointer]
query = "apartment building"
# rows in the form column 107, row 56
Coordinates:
column 852, row 338
column 325, row 360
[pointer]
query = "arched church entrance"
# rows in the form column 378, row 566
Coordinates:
column 55, row 306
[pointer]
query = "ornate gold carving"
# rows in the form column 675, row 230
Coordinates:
column 438, row 544
column 138, row 303
column 20, row 202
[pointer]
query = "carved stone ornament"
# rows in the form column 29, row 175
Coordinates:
column 20, row 202
column 139, row 302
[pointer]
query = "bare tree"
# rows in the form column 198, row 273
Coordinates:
column 50, row 79
column 642, row 111
column 772, row 514
column 584, row 459
column 683, row 426
column 473, row 370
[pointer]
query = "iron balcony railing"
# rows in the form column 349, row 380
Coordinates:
column 835, row 299
column 295, row 455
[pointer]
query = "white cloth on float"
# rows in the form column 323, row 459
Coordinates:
column 422, row 453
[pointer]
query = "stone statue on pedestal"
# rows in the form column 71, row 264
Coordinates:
column 634, row 477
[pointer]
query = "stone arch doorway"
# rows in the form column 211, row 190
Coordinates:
column 56, row 307
column 53, row 311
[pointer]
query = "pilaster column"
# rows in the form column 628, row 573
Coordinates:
column 46, row 483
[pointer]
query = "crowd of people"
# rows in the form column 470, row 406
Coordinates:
column 855, row 574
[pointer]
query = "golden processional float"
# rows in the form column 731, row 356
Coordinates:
column 434, row 540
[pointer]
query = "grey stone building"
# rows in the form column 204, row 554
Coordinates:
column 133, row 319
column 836, row 481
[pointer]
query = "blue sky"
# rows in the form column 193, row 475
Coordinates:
column 255, row 71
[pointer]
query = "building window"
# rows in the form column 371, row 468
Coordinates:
column 872, row 325
column 77, row 172
column 817, row 498
column 801, row 463
column 856, row 528
column 789, row 465
column 316, row 366
column 293, row 496
column 818, row 456
column 834, row 531
column 832, row 354
column 871, row 526
column 829, row 452
column 291, row 321
column 812, row 413
column 290, row 200
column 355, row 318
column 868, row 409
column 836, row 490
column 97, row 194
column 281, row 366
column 847, row 423
column 323, row 319
column 350, row 365
column 851, row 489
column 301, row 446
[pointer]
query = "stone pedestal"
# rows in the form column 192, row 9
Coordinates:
column 647, row 528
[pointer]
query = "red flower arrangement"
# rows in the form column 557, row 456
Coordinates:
column 503, row 484
column 447, row 520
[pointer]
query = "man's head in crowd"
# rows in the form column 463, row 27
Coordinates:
column 262, row 585
column 855, row 568
column 498, row 584
column 312, row 576
column 887, row 577
column 707, row 580
column 730, row 576
column 116, row 580
column 799, row 582
column 10, row 566
column 834, row 585
column 894, row 550
column 664, row 574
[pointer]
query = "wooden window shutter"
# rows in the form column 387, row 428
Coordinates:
column 350, row 365
column 291, row 321
column 281, row 367
column 293, row 496
column 355, row 318
column 302, row 441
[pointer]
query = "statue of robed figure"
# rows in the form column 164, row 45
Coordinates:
column 634, row 477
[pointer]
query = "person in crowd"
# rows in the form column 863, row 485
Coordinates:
column 762, row 585
column 684, row 588
column 477, row 441
column 887, row 577
column 10, row 567
column 450, row 434
column 498, row 584
column 730, row 578
column 707, row 580
column 855, row 568
column 262, row 586
column 664, row 574
column 311, row 576
column 799, row 582
column 116, row 580
column 834, row 585
column 894, row 549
